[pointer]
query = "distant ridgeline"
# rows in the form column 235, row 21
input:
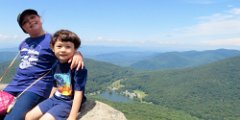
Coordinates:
column 162, row 61
column 173, row 60
column 207, row 91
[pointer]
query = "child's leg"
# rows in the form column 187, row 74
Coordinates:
column 34, row 114
column 38, row 111
column 47, row 116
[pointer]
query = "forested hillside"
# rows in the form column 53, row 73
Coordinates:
column 208, row 92
column 102, row 74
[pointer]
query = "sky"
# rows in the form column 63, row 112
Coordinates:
column 148, row 24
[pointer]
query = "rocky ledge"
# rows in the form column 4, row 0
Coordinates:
column 95, row 110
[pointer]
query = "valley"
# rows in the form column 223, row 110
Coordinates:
column 209, row 90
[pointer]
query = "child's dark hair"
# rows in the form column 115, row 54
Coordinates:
column 66, row 36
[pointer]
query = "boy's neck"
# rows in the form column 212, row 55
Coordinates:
column 63, row 62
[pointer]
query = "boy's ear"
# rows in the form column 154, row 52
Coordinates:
column 51, row 46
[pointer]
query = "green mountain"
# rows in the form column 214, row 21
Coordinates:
column 209, row 92
column 102, row 74
column 173, row 60
column 123, row 58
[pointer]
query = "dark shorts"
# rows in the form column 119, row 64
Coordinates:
column 58, row 108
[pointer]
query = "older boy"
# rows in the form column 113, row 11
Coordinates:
column 37, row 59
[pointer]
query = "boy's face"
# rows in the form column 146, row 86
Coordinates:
column 32, row 24
column 64, row 50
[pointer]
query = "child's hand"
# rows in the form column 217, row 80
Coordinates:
column 77, row 61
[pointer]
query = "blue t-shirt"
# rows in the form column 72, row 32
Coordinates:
column 67, row 81
column 37, row 59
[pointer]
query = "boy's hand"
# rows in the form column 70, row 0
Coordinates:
column 76, row 61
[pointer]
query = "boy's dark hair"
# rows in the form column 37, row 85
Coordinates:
column 66, row 36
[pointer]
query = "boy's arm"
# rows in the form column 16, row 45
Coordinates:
column 53, row 91
column 77, row 100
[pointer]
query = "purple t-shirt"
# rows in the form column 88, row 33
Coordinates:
column 37, row 59
column 67, row 81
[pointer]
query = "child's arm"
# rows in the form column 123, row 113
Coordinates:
column 76, row 61
column 53, row 91
column 77, row 100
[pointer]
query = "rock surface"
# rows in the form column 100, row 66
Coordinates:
column 95, row 110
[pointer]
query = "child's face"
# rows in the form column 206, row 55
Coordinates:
column 64, row 50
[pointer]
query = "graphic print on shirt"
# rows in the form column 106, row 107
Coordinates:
column 29, row 56
column 63, row 83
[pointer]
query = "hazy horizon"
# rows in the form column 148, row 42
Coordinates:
column 113, row 49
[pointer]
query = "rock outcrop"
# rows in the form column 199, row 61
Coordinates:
column 95, row 110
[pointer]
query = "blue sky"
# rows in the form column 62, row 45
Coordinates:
column 156, row 24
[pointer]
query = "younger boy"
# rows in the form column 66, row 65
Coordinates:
column 68, row 91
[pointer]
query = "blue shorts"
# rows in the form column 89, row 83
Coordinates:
column 58, row 108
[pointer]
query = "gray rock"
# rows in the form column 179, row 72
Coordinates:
column 95, row 110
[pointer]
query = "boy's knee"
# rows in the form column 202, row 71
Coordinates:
column 28, row 116
column 33, row 114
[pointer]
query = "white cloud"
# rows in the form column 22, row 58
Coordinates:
column 215, row 30
column 235, row 11
column 4, row 37
column 223, row 42
column 8, row 41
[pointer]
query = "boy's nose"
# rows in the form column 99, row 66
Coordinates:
column 62, row 49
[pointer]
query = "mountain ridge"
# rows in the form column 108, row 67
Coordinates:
column 201, row 91
column 173, row 60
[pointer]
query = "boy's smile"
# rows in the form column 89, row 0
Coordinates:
column 64, row 50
